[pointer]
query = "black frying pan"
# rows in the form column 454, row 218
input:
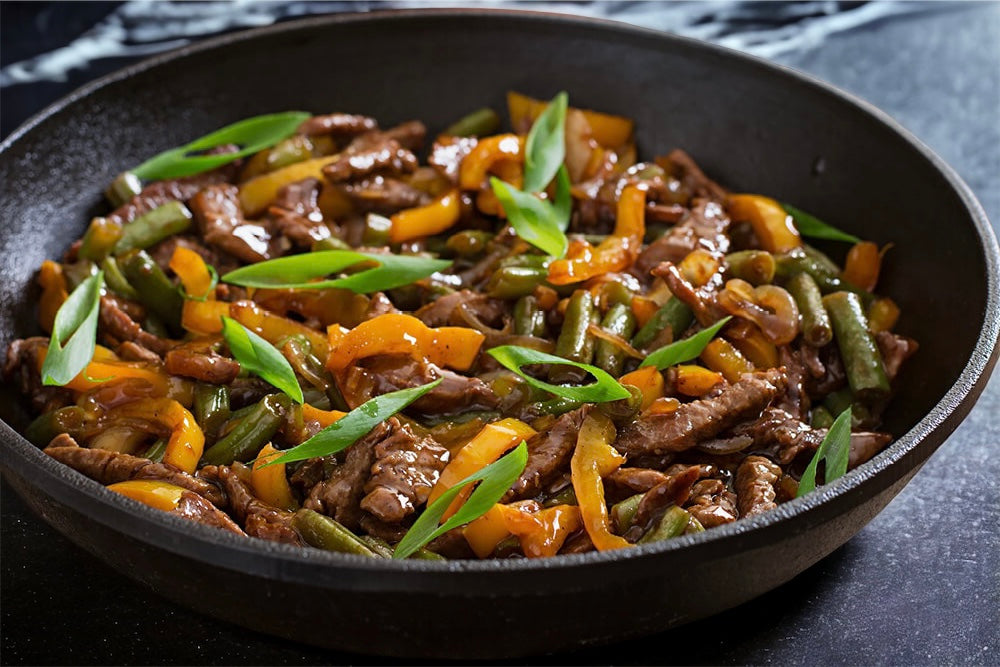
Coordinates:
column 753, row 126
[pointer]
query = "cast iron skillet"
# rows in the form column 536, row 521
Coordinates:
column 750, row 124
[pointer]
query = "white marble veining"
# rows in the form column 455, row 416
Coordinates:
column 768, row 29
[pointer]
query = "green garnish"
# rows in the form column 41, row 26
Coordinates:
column 495, row 479
column 545, row 147
column 259, row 357
column 74, row 333
column 344, row 432
column 810, row 225
column 835, row 450
column 684, row 350
column 534, row 220
column 251, row 135
column 605, row 389
column 296, row 271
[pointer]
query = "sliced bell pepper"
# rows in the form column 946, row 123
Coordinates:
column 270, row 484
column 98, row 372
column 153, row 492
column 323, row 417
column 486, row 532
column 257, row 193
column 488, row 152
column 863, row 264
column 608, row 130
column 54, row 293
column 333, row 203
column 436, row 217
column 882, row 315
column 593, row 458
column 394, row 333
column 721, row 356
column 542, row 533
column 186, row 443
column 695, row 380
column 771, row 223
column 649, row 381
column 205, row 317
column 193, row 272
column 615, row 253
column 755, row 346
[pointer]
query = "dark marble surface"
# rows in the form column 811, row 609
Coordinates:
column 919, row 585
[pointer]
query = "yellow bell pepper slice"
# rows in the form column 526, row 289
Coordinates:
column 649, row 381
column 542, row 533
column 270, row 484
column 153, row 492
column 394, row 333
column 608, row 130
column 487, row 153
column 186, row 443
column 193, row 273
column 257, row 193
column 771, row 223
column 486, row 532
column 54, row 293
column 99, row 372
column 593, row 458
column 436, row 217
column 722, row 357
column 205, row 318
column 863, row 265
column 616, row 253
column 695, row 380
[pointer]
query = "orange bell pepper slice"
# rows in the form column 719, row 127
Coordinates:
column 593, row 458
column 649, row 381
column 615, row 253
column 193, row 273
column 394, row 333
column 608, row 130
column 542, row 533
column 270, row 484
column 771, row 223
column 153, row 492
column 205, row 318
column 863, row 265
column 99, row 372
column 695, row 380
column 54, row 293
column 486, row 532
column 487, row 153
column 324, row 417
column 436, row 217
column 882, row 315
column 186, row 443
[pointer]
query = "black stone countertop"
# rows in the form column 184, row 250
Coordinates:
column 919, row 585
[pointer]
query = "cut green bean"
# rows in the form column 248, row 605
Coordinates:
column 323, row 532
column 251, row 433
column 624, row 409
column 565, row 497
column 48, row 425
column 380, row 547
column 862, row 359
column 816, row 329
column 619, row 321
column 424, row 553
column 674, row 522
column 151, row 228
column 330, row 243
column 674, row 314
column 694, row 526
column 479, row 123
column 125, row 186
column 211, row 408
column 513, row 282
column 529, row 319
column 575, row 342
column 469, row 243
column 101, row 236
column 527, row 260
column 160, row 296
column 115, row 279
column 613, row 292
column 623, row 513
column 554, row 406
column 290, row 151
column 821, row 418
column 377, row 230
column 757, row 267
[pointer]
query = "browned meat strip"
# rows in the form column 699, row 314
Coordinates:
column 339, row 495
column 196, row 508
column 157, row 194
column 373, row 153
column 755, row 482
column 794, row 400
column 406, row 468
column 452, row 545
column 447, row 154
column 626, row 481
column 379, row 304
column 442, row 311
column 693, row 178
column 296, row 213
column 22, row 365
column 895, row 350
column 704, row 228
column 220, row 220
column 338, row 125
column 674, row 490
column 410, row 134
column 712, row 503
column 130, row 351
column 382, row 195
column 200, row 360
column 549, row 453
column 864, row 445
column 109, row 467
column 703, row 419
column 113, row 321
column 258, row 518
column 670, row 213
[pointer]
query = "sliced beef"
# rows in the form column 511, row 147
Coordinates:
column 373, row 153
column 410, row 134
column 624, row 482
column 378, row 304
column 755, row 485
column 296, row 213
column 199, row 360
column 129, row 351
column 383, row 195
column 443, row 310
column 21, row 367
column 258, row 518
column 865, row 445
column 220, row 220
column 705, row 228
column 895, row 350
column 452, row 545
column 549, row 453
column 794, row 400
column 675, row 489
column 447, row 154
column 712, row 503
column 114, row 322
column 702, row 419
column 157, row 194
column 339, row 495
column 692, row 177
column 338, row 125
column 196, row 508
column 406, row 468
column 700, row 300
column 109, row 467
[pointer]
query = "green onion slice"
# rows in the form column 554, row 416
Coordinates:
column 534, row 220
column 604, row 389
column 835, row 450
column 810, row 225
column 74, row 333
column 545, row 147
column 684, row 350
column 259, row 357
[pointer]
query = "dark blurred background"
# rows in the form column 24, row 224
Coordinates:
column 919, row 585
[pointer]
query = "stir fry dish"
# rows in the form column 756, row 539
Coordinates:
column 487, row 344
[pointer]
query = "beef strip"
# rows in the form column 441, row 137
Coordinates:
column 258, row 518
column 442, row 311
column 378, row 304
column 373, row 153
column 675, row 489
column 130, row 351
column 692, row 177
column 337, row 125
column 157, row 194
column 109, row 467
column 296, row 213
column 113, row 321
column 410, row 134
column 196, row 508
column 755, row 485
column 406, row 468
column 22, row 365
column 549, row 453
column 198, row 359
column 382, row 194
column 794, row 400
column 712, row 503
column 705, row 228
column 627, row 481
column 702, row 419
column 339, row 495
column 219, row 215
column 895, row 350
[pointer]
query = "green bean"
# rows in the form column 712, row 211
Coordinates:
column 380, row 547
column 424, row 553
column 251, row 433
column 48, row 425
column 101, row 236
column 821, row 418
column 291, row 150
column 125, row 186
column 554, row 406
column 323, row 532
column 674, row 522
column 619, row 321
column 816, row 330
column 838, row 401
column 624, row 409
column 694, row 526
column 156, row 451
column 330, row 243
column 156, row 292
column 211, row 407
column 513, row 282
column 674, row 313
column 529, row 319
column 77, row 272
column 377, row 229
column 476, row 124
column 469, row 243
column 528, row 261
column 613, row 292
column 565, row 497
column 508, row 547
column 575, row 341
column 151, row 228
column 757, row 267
column 623, row 513
column 821, row 259
column 862, row 360
column 115, row 279
column 796, row 261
